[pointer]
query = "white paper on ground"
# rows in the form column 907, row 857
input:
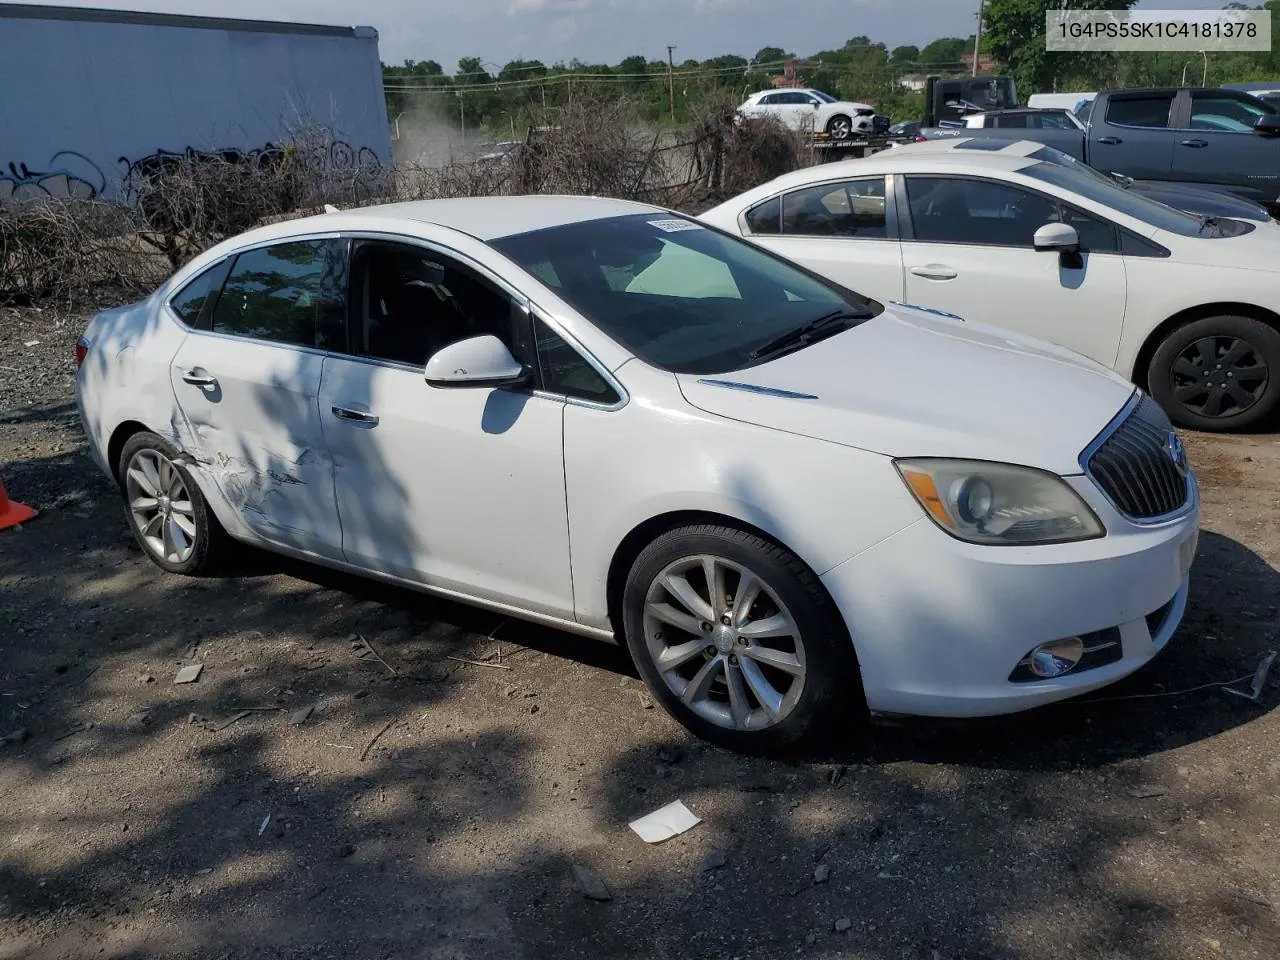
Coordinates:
column 672, row 820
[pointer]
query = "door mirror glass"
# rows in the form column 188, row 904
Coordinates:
column 1268, row 125
column 1057, row 238
column 482, row 361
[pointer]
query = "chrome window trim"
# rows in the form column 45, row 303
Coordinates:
column 1087, row 454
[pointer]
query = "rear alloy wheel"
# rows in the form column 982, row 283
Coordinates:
column 738, row 639
column 1218, row 374
column 167, row 513
column 839, row 128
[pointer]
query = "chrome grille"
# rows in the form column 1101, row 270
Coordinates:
column 1136, row 465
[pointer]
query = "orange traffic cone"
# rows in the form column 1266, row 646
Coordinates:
column 11, row 513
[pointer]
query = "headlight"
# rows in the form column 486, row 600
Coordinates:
column 998, row 503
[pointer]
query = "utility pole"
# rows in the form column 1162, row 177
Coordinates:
column 977, row 39
column 671, row 79
column 1204, row 78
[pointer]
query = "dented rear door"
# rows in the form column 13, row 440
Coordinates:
column 248, row 389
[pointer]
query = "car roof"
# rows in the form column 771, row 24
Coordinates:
column 484, row 218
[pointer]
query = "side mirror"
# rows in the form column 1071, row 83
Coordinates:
column 475, row 362
column 1267, row 125
column 1057, row 238
column 1062, row 239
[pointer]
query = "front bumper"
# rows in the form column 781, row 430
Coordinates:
column 939, row 624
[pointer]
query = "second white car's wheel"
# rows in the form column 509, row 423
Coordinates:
column 739, row 640
column 840, row 127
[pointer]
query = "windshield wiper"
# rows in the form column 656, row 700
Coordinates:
column 825, row 326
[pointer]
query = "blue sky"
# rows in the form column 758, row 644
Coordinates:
column 608, row 30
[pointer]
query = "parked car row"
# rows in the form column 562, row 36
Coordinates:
column 807, row 456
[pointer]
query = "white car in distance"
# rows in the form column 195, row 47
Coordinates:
column 790, row 503
column 1001, row 232
column 811, row 111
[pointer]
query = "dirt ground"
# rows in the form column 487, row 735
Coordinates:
column 431, row 808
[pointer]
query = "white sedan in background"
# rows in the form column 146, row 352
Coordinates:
column 790, row 502
column 811, row 111
column 999, row 232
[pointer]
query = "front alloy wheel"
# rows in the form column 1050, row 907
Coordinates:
column 739, row 640
column 840, row 128
column 725, row 644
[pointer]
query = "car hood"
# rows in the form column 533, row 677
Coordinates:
column 909, row 383
column 1201, row 200
column 847, row 105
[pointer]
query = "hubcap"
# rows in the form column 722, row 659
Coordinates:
column 1219, row 376
column 724, row 642
column 161, row 506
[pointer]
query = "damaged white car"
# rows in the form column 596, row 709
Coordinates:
column 790, row 502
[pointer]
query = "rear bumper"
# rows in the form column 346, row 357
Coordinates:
column 939, row 625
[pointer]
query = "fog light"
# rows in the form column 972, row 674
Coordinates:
column 1056, row 658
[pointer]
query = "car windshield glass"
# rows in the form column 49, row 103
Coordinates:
column 1100, row 189
column 677, row 294
column 824, row 97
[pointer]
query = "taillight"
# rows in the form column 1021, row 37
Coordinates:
column 82, row 350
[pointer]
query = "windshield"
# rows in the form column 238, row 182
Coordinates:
column 675, row 293
column 1087, row 182
column 824, row 97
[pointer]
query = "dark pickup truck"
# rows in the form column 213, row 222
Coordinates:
column 1224, row 139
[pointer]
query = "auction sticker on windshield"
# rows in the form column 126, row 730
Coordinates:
column 675, row 226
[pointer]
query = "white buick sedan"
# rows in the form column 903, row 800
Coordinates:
column 790, row 502
column 1006, row 233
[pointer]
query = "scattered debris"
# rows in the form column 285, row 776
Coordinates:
column 534, row 708
column 821, row 853
column 18, row 736
column 885, row 875
column 589, row 882
column 344, row 850
column 369, row 746
column 714, row 860
column 339, row 746
column 137, row 721
column 510, row 691
column 1251, row 897
column 843, row 924
column 32, row 343
column 837, row 774
column 670, row 755
column 92, row 670
column 363, row 646
column 190, row 652
column 646, row 702
column 663, row 824
column 189, row 674
column 479, row 663
column 1259, row 679
column 203, row 871
column 1148, row 790
column 263, row 827
column 78, row 728
column 146, row 678
column 300, row 717
column 821, row 873
column 215, row 727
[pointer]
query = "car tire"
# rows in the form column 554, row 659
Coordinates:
column 167, row 514
column 840, row 127
column 1218, row 373
column 788, row 678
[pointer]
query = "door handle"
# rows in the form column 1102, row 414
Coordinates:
column 1110, row 141
column 197, row 377
column 1195, row 143
column 355, row 416
column 935, row 271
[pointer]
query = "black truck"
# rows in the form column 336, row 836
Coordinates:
column 1224, row 139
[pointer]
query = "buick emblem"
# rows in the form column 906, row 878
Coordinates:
column 1177, row 452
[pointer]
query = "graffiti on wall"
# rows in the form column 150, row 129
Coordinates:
column 67, row 174
column 71, row 175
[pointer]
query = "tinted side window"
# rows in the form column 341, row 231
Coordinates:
column 1013, row 120
column 191, row 302
column 1150, row 111
column 1132, row 245
column 976, row 212
column 766, row 218
column 1210, row 112
column 566, row 372
column 1053, row 121
column 408, row 302
column 283, row 293
column 851, row 209
column 1096, row 236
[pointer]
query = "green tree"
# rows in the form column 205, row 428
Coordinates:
column 771, row 55
column 904, row 56
column 944, row 52
column 1013, row 34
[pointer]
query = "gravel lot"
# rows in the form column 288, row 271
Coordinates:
column 431, row 808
